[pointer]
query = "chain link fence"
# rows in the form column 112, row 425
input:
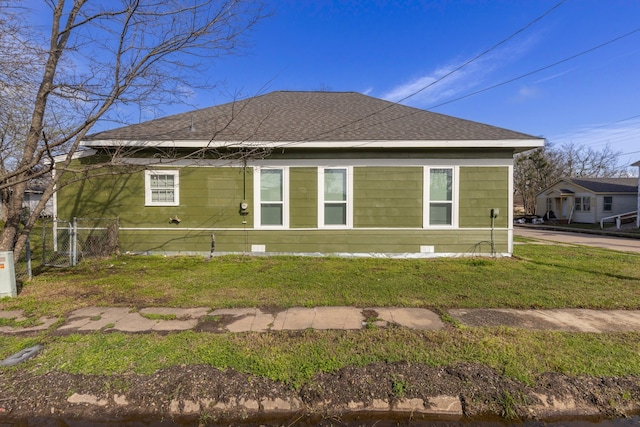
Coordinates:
column 57, row 241
column 95, row 237
column 65, row 243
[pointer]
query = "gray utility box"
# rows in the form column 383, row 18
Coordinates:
column 7, row 275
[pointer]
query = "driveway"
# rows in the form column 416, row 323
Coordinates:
column 607, row 242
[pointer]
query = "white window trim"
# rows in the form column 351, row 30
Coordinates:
column 426, row 197
column 582, row 204
column 257, row 202
column 147, row 187
column 321, row 200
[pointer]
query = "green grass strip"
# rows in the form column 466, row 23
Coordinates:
column 538, row 276
column 294, row 358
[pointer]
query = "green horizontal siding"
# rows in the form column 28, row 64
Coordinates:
column 387, row 197
column 209, row 197
column 482, row 189
column 314, row 241
column 303, row 197
column 100, row 196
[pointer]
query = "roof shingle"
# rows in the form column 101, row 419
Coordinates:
column 607, row 185
column 310, row 116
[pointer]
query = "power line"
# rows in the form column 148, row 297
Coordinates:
column 455, row 70
column 616, row 134
column 504, row 82
column 584, row 52
column 435, row 81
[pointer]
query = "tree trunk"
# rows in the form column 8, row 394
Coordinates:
column 14, row 211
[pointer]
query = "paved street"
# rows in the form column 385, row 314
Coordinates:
column 596, row 240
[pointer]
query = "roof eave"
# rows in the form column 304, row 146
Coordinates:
column 75, row 155
column 570, row 181
column 517, row 145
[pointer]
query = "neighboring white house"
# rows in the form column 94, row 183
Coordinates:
column 32, row 196
column 588, row 200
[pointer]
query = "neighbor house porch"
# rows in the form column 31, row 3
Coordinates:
column 560, row 205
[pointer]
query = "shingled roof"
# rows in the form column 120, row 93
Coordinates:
column 304, row 117
column 607, row 185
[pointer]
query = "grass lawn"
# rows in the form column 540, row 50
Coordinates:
column 540, row 276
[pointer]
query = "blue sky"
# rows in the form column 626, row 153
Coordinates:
column 393, row 49
column 390, row 49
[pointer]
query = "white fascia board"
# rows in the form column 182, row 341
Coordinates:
column 78, row 154
column 519, row 144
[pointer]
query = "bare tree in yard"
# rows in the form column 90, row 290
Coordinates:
column 99, row 57
column 533, row 171
column 17, row 80
column 581, row 162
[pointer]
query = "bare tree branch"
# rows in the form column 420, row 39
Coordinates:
column 98, row 58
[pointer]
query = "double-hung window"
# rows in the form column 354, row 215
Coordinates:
column 608, row 204
column 273, row 195
column 440, row 197
column 583, row 204
column 334, row 189
column 162, row 187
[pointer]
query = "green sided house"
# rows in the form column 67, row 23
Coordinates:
column 301, row 173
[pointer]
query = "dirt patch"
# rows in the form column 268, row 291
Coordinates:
column 203, row 392
column 492, row 317
column 215, row 324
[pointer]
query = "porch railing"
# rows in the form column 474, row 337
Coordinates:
column 619, row 218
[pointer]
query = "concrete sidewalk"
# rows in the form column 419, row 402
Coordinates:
column 159, row 319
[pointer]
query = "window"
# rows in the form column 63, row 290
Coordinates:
column 440, row 197
column 583, row 204
column 273, row 195
column 608, row 204
column 162, row 188
column 334, row 192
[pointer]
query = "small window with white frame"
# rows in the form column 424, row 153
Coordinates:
column 162, row 187
column 335, row 194
column 272, row 197
column 440, row 197
column 607, row 204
